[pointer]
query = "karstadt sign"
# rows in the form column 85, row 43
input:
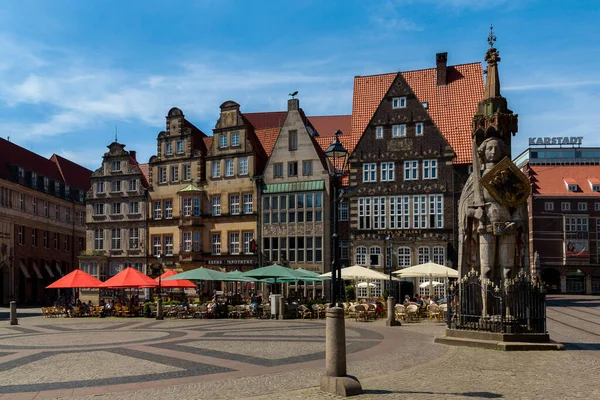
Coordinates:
column 537, row 141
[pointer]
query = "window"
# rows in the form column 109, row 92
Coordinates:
column 379, row 132
column 162, row 174
column 399, row 130
column 115, row 186
column 400, row 212
column 216, row 169
column 419, row 129
column 549, row 206
column 234, row 243
column 364, row 213
column 180, row 147
column 229, row 171
column 187, row 242
column 175, row 173
column 423, row 255
column 565, row 206
column 116, row 208
column 46, row 184
column 436, row 211
column 595, row 188
column 98, row 209
column 307, row 168
column 293, row 140
column 292, row 168
column 21, row 235
column 309, row 249
column 197, row 209
column 318, row 249
column 235, row 139
column 572, row 188
column 57, row 212
column 429, row 169
column 370, row 172
column 387, row 172
column 248, row 205
column 46, row 233
column 187, row 172
column 420, row 212
column 168, row 245
column 34, row 205
column 223, row 140
column 234, row 204
column 133, row 183
column 404, row 257
column 343, row 211
column 115, row 165
column 411, row 170
column 399, row 102
column 266, row 208
column 576, row 224
column 597, row 206
column 248, row 237
column 581, row 206
column 34, row 237
column 99, row 239
column 439, row 255
column 216, row 244
column 134, row 238
column 134, row 207
column 168, row 148
column 21, row 202
column 379, row 213
column 156, row 246
column 243, row 166
column 157, row 210
column 196, row 241
column 344, row 250
column 216, row 205
column 187, row 207
column 99, row 187
column 278, row 170
column 375, row 256
column 115, row 239
column 67, row 215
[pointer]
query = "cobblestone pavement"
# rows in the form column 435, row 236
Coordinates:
column 193, row 359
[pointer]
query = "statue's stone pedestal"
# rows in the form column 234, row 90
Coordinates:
column 341, row 385
column 499, row 341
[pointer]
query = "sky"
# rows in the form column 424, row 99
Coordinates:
column 73, row 73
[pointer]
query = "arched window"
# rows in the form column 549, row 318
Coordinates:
column 375, row 257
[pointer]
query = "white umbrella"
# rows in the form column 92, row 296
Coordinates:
column 428, row 269
column 366, row 284
column 432, row 283
column 359, row 272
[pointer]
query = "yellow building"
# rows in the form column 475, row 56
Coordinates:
column 234, row 162
column 176, row 175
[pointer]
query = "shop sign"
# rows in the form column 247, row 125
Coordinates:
column 544, row 141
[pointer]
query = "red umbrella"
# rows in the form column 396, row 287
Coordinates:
column 176, row 283
column 129, row 278
column 76, row 279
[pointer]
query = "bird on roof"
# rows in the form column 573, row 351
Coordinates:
column 293, row 94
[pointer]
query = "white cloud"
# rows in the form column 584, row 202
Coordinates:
column 559, row 84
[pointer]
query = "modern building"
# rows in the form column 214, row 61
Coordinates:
column 176, row 175
column 42, row 222
column 235, row 160
column 116, row 218
column 411, row 159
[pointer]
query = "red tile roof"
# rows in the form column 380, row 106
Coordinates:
column 264, row 120
column 145, row 170
column 451, row 107
column 73, row 174
column 550, row 179
column 208, row 141
column 327, row 125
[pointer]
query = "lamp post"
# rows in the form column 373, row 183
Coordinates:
column 336, row 380
column 391, row 300
column 159, row 309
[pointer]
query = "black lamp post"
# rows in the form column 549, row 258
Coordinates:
column 338, row 157
column 388, row 260
column 159, row 269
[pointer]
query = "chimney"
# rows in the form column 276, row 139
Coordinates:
column 441, row 61
column 293, row 104
column 132, row 154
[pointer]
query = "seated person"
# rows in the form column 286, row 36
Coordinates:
column 406, row 299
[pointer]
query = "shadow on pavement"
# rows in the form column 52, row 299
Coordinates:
column 581, row 346
column 481, row 395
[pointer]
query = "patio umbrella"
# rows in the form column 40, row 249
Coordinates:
column 359, row 272
column 75, row 280
column 366, row 284
column 432, row 283
column 239, row 276
column 201, row 274
column 176, row 283
column 429, row 269
column 129, row 278
column 272, row 272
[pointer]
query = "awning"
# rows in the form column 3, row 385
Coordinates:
column 24, row 269
column 49, row 270
column 37, row 271
column 288, row 187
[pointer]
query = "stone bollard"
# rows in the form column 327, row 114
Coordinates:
column 281, row 307
column 391, row 317
column 336, row 381
column 13, row 313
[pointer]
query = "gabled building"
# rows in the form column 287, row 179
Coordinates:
column 412, row 136
column 42, row 222
column 235, row 160
column 116, row 210
column 176, row 175
column 295, row 207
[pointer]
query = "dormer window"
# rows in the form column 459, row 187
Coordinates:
column 223, row 141
column 596, row 188
column 115, row 165
column 571, row 184
column 33, row 179
column 399, row 102
column 67, row 191
column 57, row 188
column 46, row 184
column 594, row 184
column 425, row 105
column 21, row 174
column 572, row 188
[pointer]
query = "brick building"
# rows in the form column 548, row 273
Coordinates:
column 412, row 156
column 42, row 222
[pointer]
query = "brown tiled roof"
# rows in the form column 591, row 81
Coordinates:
column 327, row 125
column 145, row 170
column 550, row 180
column 73, row 174
column 208, row 141
column 267, row 137
column 451, row 107
column 264, row 120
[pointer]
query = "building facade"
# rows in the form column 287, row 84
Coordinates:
column 116, row 223
column 411, row 160
column 42, row 222
column 235, row 161
column 176, row 175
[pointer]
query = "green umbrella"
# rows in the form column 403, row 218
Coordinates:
column 201, row 274
column 238, row 276
column 274, row 272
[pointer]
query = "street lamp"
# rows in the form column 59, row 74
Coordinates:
column 336, row 380
column 159, row 309
column 391, row 300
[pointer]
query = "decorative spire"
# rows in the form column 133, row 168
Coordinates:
column 491, row 37
column 116, row 133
